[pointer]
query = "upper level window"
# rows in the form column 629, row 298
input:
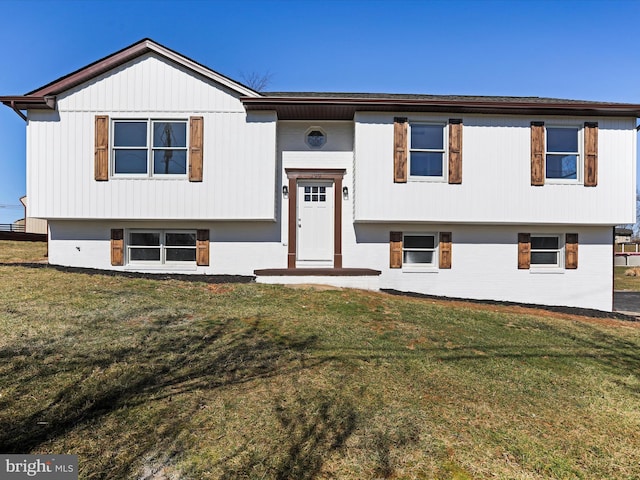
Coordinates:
column 152, row 148
column 562, row 155
column 315, row 137
column 427, row 150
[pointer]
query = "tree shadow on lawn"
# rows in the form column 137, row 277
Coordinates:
column 160, row 363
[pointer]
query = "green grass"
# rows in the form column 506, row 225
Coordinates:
column 189, row 380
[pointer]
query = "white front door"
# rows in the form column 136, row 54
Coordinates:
column 315, row 224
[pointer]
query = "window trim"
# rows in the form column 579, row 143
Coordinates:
column 556, row 267
column 162, row 247
column 579, row 180
column 150, row 149
column 308, row 132
column 445, row 151
column 422, row 267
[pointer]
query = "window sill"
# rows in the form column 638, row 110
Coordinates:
column 420, row 269
column 146, row 177
column 552, row 270
column 427, row 179
column 550, row 181
column 132, row 267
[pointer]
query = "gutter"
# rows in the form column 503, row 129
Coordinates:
column 26, row 102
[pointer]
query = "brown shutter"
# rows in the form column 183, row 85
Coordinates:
column 455, row 150
column 396, row 250
column 400, row 150
column 524, row 250
column 101, row 159
column 196, row 143
column 590, row 154
column 571, row 251
column 117, row 246
column 537, row 153
column 445, row 249
column 202, row 247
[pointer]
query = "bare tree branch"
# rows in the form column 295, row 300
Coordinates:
column 256, row 81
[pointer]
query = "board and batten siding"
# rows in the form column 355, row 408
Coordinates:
column 496, row 180
column 239, row 150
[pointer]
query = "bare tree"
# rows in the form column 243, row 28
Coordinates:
column 256, row 81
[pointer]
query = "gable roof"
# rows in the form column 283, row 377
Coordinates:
column 322, row 105
column 44, row 97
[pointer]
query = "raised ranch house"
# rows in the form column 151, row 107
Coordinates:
column 149, row 161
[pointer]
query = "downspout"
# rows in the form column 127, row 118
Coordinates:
column 15, row 109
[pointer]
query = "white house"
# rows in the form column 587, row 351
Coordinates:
column 149, row 161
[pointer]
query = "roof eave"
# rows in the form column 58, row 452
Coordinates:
column 344, row 108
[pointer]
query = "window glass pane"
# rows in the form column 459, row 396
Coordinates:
column 169, row 162
column 544, row 258
column 180, row 239
column 419, row 241
column 562, row 166
column 427, row 164
column 427, row 136
column 144, row 254
column 144, row 238
column 130, row 161
column 544, row 243
column 418, row 257
column 562, row 139
column 169, row 134
column 181, row 254
column 130, row 134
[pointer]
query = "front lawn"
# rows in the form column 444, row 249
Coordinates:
column 146, row 378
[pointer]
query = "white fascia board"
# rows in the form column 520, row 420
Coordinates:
column 205, row 72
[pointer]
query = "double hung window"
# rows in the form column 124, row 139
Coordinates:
column 546, row 251
column 419, row 250
column 161, row 246
column 427, row 150
column 563, row 154
column 149, row 147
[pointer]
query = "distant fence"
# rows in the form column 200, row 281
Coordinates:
column 21, row 236
column 11, row 227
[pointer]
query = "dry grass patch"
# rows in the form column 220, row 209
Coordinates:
column 173, row 379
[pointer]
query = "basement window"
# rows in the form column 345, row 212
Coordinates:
column 161, row 247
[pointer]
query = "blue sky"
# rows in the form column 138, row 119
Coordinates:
column 585, row 49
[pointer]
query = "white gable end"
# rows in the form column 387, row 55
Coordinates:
column 150, row 83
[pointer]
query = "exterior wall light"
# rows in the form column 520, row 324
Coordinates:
column 285, row 191
column 345, row 192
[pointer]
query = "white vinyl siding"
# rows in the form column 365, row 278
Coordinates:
column 497, row 176
column 239, row 169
